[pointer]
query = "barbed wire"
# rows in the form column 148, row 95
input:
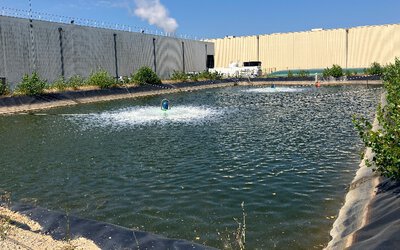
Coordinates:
column 42, row 16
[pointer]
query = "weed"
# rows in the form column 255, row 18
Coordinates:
column 4, row 89
column 179, row 76
column 31, row 85
column 336, row 71
column 75, row 82
column 240, row 235
column 4, row 227
column 6, row 198
column 102, row 79
column 146, row 75
column 60, row 84
column 5, row 220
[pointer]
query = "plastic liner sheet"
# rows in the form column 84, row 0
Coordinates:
column 105, row 235
column 383, row 226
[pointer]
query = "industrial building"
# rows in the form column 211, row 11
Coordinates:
column 56, row 49
column 356, row 47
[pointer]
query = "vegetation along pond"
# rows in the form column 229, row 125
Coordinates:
column 287, row 153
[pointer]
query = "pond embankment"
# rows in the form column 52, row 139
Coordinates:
column 31, row 227
column 18, row 104
column 370, row 216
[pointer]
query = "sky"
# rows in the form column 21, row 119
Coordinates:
column 203, row 19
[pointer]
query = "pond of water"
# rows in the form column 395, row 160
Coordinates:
column 287, row 153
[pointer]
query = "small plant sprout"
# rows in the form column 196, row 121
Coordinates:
column 241, row 230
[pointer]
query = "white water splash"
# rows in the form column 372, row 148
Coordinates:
column 273, row 90
column 156, row 14
column 135, row 116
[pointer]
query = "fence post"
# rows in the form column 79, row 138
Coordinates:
column 61, row 52
column 154, row 54
column 116, row 57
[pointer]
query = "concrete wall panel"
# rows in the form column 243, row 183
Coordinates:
column 84, row 50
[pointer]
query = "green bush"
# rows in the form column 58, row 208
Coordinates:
column 31, row 85
column 385, row 142
column 146, row 75
column 207, row 75
column 102, row 79
column 194, row 77
column 179, row 76
column 4, row 89
column 60, row 84
column 303, row 73
column 374, row 69
column 336, row 71
column 126, row 80
column 75, row 82
column 290, row 74
column 348, row 73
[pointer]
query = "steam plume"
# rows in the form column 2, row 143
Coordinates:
column 156, row 14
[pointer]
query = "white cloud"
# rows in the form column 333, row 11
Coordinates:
column 156, row 14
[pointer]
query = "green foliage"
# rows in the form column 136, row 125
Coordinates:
column 348, row 73
column 179, row 76
column 374, row 69
column 5, row 227
column 194, row 77
column 326, row 73
column 75, row 82
column 146, row 75
column 31, row 85
column 385, row 141
column 60, row 84
column 5, row 221
column 102, row 79
column 290, row 74
column 303, row 73
column 210, row 76
column 4, row 89
column 126, row 80
column 335, row 71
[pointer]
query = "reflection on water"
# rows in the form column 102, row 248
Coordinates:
column 184, row 173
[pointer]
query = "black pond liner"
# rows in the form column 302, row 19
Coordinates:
column 104, row 235
column 383, row 226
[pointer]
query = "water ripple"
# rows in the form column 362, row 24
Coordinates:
column 288, row 153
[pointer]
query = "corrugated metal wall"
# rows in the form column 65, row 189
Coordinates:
column 235, row 49
column 353, row 48
column 373, row 44
column 85, row 49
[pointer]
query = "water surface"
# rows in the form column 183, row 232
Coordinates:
column 287, row 153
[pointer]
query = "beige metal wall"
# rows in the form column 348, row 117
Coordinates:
column 350, row 48
column 373, row 44
column 235, row 49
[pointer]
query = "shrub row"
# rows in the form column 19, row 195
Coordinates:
column 205, row 75
column 34, row 85
column 301, row 73
column 385, row 142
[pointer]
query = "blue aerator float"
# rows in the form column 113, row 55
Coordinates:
column 164, row 105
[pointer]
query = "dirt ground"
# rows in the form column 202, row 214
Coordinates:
column 19, row 232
